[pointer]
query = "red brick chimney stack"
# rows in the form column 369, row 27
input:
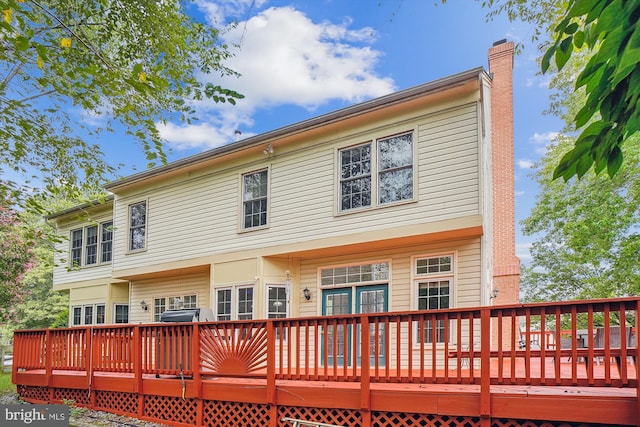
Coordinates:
column 506, row 269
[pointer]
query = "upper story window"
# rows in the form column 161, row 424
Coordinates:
column 106, row 238
column 393, row 157
column 137, row 226
column 395, row 168
column 89, row 246
column 254, row 199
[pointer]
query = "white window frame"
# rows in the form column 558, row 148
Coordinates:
column 287, row 304
column 73, row 315
column 173, row 302
column 234, row 301
column 106, row 228
column 131, row 227
column 94, row 314
column 115, row 312
column 420, row 276
column 83, row 247
column 376, row 172
column 243, row 201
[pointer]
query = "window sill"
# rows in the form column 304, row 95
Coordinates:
column 375, row 208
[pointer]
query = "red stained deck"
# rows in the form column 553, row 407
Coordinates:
column 373, row 369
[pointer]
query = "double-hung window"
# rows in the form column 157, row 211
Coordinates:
column 234, row 303
column 255, row 199
column 434, row 283
column 121, row 313
column 76, row 248
column 91, row 245
column 106, row 241
column 137, row 226
column 378, row 172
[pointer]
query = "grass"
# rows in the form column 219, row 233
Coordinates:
column 5, row 383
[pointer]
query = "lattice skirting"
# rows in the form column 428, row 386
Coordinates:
column 117, row 402
column 341, row 417
column 233, row 414
column 33, row 393
column 402, row 419
column 72, row 395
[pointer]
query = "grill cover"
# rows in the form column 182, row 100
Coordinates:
column 187, row 315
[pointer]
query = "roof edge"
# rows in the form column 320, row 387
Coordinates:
column 315, row 122
column 91, row 204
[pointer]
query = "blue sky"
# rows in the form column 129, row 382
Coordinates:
column 301, row 59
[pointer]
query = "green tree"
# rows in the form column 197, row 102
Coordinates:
column 610, row 110
column 132, row 63
column 34, row 303
column 16, row 258
column 587, row 236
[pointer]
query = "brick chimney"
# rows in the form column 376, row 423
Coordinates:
column 506, row 266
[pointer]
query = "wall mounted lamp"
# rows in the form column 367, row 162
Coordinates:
column 307, row 293
column 144, row 305
column 268, row 150
column 494, row 293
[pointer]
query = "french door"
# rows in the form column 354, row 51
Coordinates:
column 368, row 299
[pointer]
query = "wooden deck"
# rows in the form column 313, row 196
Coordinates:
column 363, row 370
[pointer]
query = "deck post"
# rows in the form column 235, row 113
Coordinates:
column 271, row 372
column 137, row 344
column 88, row 360
column 197, row 375
column 485, row 366
column 48, row 363
column 365, row 371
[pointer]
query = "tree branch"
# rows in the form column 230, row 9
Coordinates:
column 11, row 75
column 74, row 34
column 31, row 98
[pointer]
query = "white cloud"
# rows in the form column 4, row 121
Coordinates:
column 525, row 164
column 523, row 252
column 286, row 59
column 218, row 13
column 519, row 193
column 542, row 140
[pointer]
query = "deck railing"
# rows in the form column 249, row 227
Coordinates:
column 578, row 343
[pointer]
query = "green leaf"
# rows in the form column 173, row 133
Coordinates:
column 564, row 53
column 580, row 7
column 571, row 28
column 578, row 39
column 614, row 161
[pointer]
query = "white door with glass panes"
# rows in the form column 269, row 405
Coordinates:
column 434, row 292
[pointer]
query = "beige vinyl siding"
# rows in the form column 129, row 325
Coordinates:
column 148, row 289
column 200, row 215
column 62, row 274
column 402, row 288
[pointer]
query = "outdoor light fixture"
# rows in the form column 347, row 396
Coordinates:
column 268, row 150
column 144, row 305
column 494, row 293
column 307, row 293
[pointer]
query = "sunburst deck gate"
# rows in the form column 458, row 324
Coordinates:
column 260, row 372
